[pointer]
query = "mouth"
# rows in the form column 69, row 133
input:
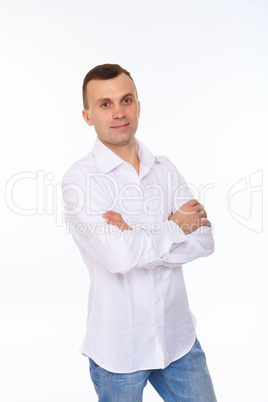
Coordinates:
column 120, row 126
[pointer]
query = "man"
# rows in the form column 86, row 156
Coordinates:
column 135, row 223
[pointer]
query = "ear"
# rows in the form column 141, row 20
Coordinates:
column 86, row 117
column 139, row 108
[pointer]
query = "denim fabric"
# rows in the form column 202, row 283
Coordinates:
column 184, row 380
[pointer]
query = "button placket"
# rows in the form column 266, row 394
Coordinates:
column 159, row 313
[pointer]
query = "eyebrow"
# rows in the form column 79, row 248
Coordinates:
column 101, row 100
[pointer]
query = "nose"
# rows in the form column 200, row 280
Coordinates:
column 119, row 112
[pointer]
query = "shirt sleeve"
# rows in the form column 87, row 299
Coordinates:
column 119, row 251
column 199, row 243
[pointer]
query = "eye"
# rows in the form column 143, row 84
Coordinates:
column 127, row 101
column 105, row 105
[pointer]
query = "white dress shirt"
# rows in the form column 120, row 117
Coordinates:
column 138, row 312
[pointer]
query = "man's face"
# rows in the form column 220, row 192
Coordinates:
column 113, row 110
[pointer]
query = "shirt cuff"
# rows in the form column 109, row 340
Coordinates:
column 174, row 233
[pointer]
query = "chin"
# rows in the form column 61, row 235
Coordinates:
column 121, row 137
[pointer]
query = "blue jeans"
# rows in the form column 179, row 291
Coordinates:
column 185, row 380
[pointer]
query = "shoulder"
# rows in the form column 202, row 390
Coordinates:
column 80, row 169
column 164, row 161
column 171, row 169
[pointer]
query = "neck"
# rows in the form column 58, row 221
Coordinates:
column 127, row 153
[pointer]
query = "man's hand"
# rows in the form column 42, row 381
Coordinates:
column 188, row 217
column 114, row 218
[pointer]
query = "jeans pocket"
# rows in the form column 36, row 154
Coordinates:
column 104, row 377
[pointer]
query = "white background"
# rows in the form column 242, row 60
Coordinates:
column 201, row 72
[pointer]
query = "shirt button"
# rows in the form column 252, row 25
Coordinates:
column 178, row 237
column 148, row 208
column 155, row 268
column 159, row 326
column 158, row 299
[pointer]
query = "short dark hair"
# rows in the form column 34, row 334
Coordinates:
column 102, row 72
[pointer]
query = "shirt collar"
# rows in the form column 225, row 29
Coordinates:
column 108, row 160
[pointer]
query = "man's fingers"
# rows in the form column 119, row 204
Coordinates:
column 114, row 221
column 202, row 214
column 198, row 207
column 191, row 207
column 193, row 203
column 119, row 224
column 112, row 213
column 114, row 218
column 205, row 222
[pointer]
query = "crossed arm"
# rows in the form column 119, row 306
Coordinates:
column 189, row 217
column 185, row 236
